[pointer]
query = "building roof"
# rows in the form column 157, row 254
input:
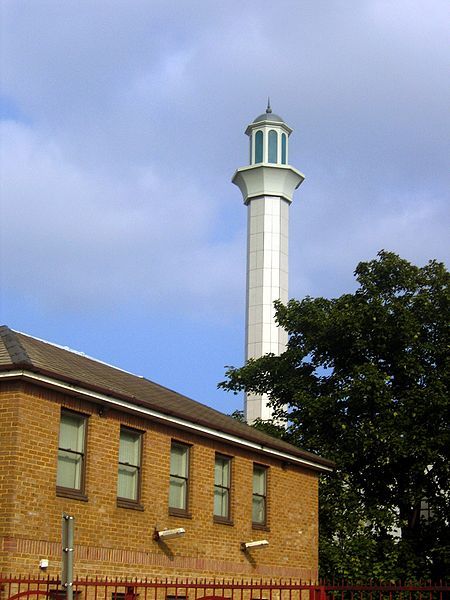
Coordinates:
column 20, row 352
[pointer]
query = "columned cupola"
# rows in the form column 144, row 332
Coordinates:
column 268, row 139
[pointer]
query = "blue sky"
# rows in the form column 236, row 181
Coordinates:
column 122, row 123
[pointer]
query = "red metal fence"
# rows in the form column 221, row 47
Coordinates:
column 41, row 588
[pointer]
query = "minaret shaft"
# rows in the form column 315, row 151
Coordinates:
column 267, row 281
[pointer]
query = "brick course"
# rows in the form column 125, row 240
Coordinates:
column 115, row 541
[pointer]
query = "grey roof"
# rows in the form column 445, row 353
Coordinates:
column 19, row 351
column 268, row 117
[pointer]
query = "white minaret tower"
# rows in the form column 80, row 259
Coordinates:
column 267, row 186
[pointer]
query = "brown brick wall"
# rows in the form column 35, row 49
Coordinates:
column 118, row 541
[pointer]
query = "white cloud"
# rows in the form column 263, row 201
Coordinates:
column 330, row 238
column 79, row 239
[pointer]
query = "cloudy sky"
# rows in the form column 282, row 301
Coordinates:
column 122, row 122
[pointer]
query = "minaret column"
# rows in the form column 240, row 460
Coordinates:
column 267, row 281
column 267, row 185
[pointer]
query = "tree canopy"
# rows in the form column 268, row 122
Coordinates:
column 364, row 382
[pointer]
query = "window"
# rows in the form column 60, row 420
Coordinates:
column 259, row 508
column 273, row 146
column 283, row 148
column 426, row 512
column 129, row 477
column 258, row 146
column 71, row 454
column 179, row 478
column 222, row 488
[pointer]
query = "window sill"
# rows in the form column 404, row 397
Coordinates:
column 72, row 494
column 222, row 521
column 260, row 526
column 177, row 512
column 130, row 504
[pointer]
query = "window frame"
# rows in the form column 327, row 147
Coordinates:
column 173, row 510
column 129, row 502
column 263, row 524
column 272, row 147
column 259, row 147
column 283, row 149
column 218, row 518
column 67, row 492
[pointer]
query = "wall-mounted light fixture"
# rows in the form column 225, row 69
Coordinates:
column 252, row 545
column 166, row 534
column 102, row 410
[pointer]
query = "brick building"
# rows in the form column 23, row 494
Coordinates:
column 128, row 458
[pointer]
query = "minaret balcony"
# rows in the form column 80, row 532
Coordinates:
column 265, row 179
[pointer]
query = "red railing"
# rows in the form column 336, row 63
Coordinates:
column 43, row 588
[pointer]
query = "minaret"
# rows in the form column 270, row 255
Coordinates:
column 267, row 186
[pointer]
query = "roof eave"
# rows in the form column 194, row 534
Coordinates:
column 132, row 404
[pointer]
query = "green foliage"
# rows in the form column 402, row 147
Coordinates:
column 364, row 381
column 238, row 415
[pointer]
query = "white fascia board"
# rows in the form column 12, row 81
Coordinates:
column 148, row 412
column 268, row 124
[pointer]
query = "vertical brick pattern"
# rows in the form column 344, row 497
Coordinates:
column 114, row 541
column 9, row 471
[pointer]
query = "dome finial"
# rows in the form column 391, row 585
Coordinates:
column 268, row 109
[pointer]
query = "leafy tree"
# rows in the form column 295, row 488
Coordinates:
column 364, row 381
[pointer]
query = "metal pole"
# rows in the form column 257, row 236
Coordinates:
column 67, row 555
